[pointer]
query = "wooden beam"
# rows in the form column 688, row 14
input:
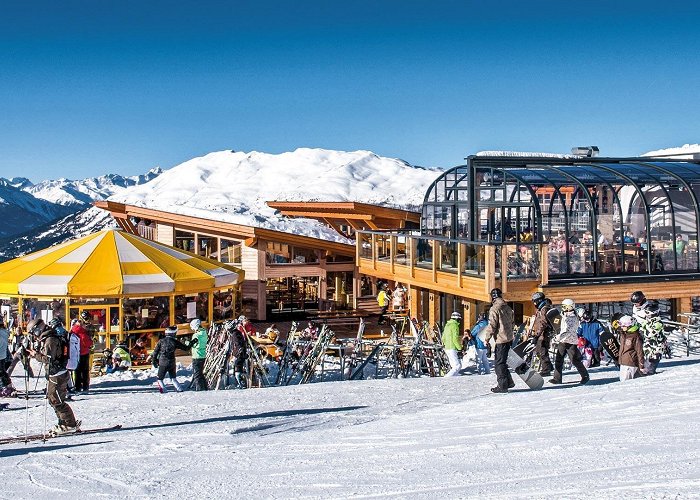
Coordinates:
column 335, row 226
column 372, row 225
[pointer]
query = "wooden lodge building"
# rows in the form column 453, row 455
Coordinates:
column 285, row 274
column 580, row 227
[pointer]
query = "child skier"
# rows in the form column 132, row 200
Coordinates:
column 590, row 330
column 568, row 343
column 631, row 354
column 163, row 357
column 482, row 360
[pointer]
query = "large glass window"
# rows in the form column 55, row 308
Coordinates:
column 208, row 246
column 230, row 252
column 184, row 240
column 152, row 313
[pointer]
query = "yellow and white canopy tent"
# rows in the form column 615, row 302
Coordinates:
column 115, row 266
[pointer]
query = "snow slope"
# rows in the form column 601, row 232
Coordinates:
column 235, row 186
column 406, row 438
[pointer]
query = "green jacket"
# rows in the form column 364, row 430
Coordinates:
column 199, row 351
column 450, row 335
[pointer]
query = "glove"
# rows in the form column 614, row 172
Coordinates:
column 155, row 363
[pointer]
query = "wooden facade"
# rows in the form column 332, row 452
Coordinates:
column 330, row 259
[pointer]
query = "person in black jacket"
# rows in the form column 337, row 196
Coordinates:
column 163, row 357
column 239, row 351
column 53, row 352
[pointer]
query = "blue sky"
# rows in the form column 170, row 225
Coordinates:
column 91, row 87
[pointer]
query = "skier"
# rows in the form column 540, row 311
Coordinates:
column 199, row 353
column 73, row 350
column 500, row 328
column 452, row 341
column 54, row 353
column 541, row 332
column 239, row 350
column 163, row 357
column 631, row 357
column 7, row 389
column 482, row 360
column 82, row 372
column 568, row 344
column 590, row 330
column 383, row 302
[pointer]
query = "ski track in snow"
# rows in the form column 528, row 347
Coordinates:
column 405, row 438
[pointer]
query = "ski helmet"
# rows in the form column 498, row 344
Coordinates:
column 568, row 305
column 626, row 321
column 55, row 322
column 537, row 298
column 456, row 315
column 587, row 315
column 496, row 293
column 171, row 330
column 637, row 298
column 36, row 326
column 85, row 316
column 195, row 324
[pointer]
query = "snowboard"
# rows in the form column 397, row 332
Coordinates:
column 554, row 318
column 610, row 345
column 516, row 363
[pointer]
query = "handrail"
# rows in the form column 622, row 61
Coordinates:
column 447, row 239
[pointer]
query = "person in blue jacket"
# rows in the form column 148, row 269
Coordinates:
column 591, row 329
column 482, row 359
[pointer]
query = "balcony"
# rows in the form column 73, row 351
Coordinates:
column 460, row 267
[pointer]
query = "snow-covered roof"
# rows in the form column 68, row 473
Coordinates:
column 685, row 152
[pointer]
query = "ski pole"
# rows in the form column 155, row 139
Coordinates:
column 26, row 402
column 46, row 398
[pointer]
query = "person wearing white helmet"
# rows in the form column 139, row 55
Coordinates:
column 568, row 343
column 452, row 340
column 199, row 353
column 631, row 356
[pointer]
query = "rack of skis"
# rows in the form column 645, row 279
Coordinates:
column 413, row 349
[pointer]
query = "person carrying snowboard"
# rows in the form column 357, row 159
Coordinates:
column 54, row 353
column 590, row 329
column 199, row 353
column 500, row 328
column 541, row 332
column 452, row 341
column 631, row 351
column 567, row 344
column 163, row 357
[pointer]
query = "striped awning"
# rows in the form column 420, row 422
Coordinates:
column 112, row 262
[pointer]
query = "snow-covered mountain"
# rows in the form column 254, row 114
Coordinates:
column 39, row 215
column 83, row 192
column 234, row 186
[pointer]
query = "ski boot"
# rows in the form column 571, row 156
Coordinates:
column 60, row 429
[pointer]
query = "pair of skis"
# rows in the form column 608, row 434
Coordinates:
column 44, row 437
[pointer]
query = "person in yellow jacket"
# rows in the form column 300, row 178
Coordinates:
column 383, row 301
column 452, row 341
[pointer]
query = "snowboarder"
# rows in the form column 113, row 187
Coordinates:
column 199, row 353
column 567, row 344
column 452, row 341
column 54, row 353
column 482, row 360
column 590, row 329
column 500, row 328
column 631, row 357
column 541, row 332
column 654, row 338
column 163, row 357
column 82, row 372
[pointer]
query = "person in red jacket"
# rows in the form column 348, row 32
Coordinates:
column 82, row 373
